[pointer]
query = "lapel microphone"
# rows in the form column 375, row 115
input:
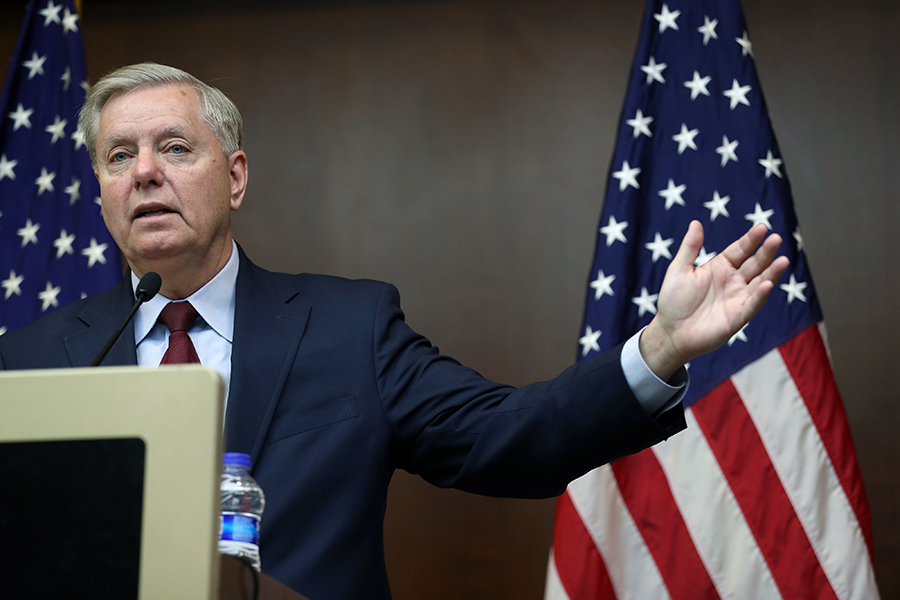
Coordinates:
column 147, row 287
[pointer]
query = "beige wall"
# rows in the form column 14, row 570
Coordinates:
column 459, row 150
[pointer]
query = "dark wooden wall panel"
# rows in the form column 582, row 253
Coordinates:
column 460, row 149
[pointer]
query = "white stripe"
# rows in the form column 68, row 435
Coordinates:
column 802, row 463
column 630, row 566
column 824, row 335
column 554, row 589
column 713, row 517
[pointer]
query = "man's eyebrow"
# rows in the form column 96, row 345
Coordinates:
column 114, row 139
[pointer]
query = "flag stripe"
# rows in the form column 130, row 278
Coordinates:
column 799, row 457
column 554, row 588
column 767, row 509
column 712, row 515
column 807, row 353
column 632, row 570
column 581, row 573
column 648, row 497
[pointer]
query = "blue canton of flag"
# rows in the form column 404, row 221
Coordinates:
column 54, row 247
column 695, row 142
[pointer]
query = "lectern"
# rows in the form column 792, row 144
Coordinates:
column 110, row 483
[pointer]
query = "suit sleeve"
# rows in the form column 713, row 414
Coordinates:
column 458, row 429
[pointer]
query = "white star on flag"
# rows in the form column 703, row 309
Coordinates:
column 660, row 247
column 58, row 129
column 646, row 303
column 640, row 124
column 654, row 71
column 727, row 150
column 78, row 138
column 48, row 296
column 746, row 46
column 35, row 66
column 771, row 164
column 613, row 231
column 29, row 233
column 697, row 85
column 66, row 78
column 45, row 181
column 6, row 167
column 685, row 138
column 11, row 285
column 70, row 21
column 708, row 29
column 672, row 194
column 94, row 252
column 740, row 335
column 794, row 289
column 627, row 176
column 716, row 206
column 703, row 257
column 602, row 285
column 799, row 238
column 21, row 117
column 74, row 191
column 667, row 19
column 737, row 94
column 51, row 13
column 760, row 216
column 589, row 341
column 63, row 244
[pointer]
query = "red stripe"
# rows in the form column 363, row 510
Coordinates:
column 739, row 450
column 578, row 562
column 807, row 362
column 646, row 492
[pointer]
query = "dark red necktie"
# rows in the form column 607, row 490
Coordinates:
column 178, row 317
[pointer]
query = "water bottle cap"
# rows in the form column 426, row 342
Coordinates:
column 237, row 459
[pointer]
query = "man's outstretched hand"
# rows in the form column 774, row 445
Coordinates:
column 700, row 308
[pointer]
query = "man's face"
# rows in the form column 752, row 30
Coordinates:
column 167, row 188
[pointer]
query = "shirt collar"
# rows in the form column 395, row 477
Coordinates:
column 214, row 302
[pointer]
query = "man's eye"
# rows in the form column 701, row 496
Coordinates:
column 119, row 156
column 177, row 149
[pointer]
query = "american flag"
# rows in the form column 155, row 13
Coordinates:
column 54, row 247
column 761, row 497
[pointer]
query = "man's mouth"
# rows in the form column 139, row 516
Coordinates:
column 153, row 213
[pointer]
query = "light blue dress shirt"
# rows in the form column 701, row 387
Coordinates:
column 213, row 331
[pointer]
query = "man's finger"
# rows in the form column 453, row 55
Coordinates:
column 762, row 258
column 763, row 284
column 740, row 250
column 689, row 249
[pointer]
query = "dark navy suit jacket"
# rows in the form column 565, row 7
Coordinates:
column 331, row 391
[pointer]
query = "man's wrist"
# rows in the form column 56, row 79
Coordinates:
column 656, row 350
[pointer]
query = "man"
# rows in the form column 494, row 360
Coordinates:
column 327, row 388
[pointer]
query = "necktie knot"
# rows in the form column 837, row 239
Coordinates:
column 178, row 316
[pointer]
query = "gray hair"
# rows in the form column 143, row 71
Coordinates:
column 216, row 109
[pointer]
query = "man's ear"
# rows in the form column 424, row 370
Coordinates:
column 237, row 169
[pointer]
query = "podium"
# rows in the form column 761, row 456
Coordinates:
column 112, row 485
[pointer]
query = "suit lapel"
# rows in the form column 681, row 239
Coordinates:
column 102, row 316
column 269, row 320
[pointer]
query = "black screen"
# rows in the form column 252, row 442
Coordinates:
column 70, row 518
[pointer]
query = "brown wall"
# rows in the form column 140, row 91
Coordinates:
column 459, row 150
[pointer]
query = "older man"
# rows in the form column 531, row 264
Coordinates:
column 327, row 388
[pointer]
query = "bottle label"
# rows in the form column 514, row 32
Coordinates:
column 239, row 528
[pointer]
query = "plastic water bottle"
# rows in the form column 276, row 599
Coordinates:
column 242, row 506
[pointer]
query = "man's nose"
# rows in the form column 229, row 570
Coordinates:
column 148, row 171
